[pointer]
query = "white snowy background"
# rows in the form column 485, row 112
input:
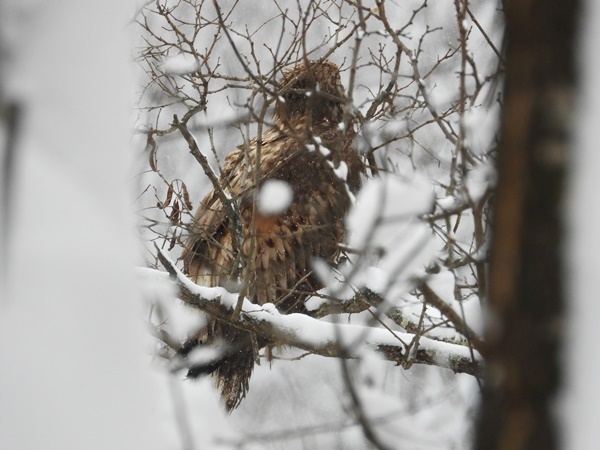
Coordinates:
column 75, row 367
column 78, row 369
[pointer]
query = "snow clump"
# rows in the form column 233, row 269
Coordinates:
column 274, row 197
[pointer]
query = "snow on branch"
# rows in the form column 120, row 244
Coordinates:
column 319, row 337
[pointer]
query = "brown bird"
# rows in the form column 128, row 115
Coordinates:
column 309, row 147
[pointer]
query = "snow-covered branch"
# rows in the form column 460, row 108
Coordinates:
column 322, row 338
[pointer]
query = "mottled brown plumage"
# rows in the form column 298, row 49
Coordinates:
column 303, row 148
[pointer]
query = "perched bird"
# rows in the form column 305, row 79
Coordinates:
column 310, row 149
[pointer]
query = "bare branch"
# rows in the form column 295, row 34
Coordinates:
column 315, row 336
column 223, row 197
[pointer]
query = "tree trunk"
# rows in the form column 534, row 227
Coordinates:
column 526, row 285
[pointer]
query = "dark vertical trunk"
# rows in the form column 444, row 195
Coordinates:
column 526, row 286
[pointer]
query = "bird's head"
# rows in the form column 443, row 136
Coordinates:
column 313, row 90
